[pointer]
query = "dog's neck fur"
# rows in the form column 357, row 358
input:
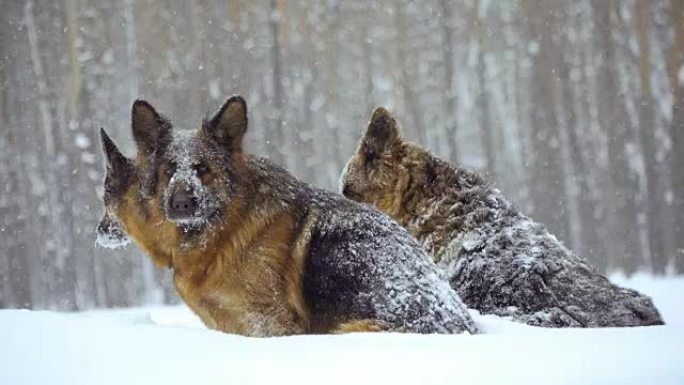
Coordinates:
column 260, row 238
column 442, row 201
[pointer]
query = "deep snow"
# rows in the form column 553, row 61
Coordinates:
column 169, row 345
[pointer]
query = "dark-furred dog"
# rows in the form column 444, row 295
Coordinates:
column 498, row 260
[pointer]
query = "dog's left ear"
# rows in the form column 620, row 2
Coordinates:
column 381, row 135
column 229, row 125
column 116, row 161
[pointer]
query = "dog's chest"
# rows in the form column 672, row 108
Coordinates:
column 219, row 307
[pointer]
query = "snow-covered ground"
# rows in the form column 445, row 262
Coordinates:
column 168, row 345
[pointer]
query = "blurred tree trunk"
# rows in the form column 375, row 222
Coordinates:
column 573, row 95
column 484, row 111
column 15, row 267
column 276, row 137
column 367, row 47
column 623, row 243
column 451, row 102
column 521, row 100
column 81, row 181
column 407, row 80
column 547, row 189
column 25, row 222
column 61, row 281
column 676, row 79
column 647, row 131
column 334, row 86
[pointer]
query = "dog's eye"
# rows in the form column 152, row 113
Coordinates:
column 369, row 155
column 201, row 169
column 108, row 191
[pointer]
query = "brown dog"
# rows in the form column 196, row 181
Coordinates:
column 257, row 252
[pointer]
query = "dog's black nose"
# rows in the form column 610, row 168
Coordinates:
column 183, row 204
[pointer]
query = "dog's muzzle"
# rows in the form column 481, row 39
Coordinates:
column 110, row 233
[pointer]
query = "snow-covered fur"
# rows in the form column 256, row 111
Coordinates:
column 261, row 253
column 500, row 261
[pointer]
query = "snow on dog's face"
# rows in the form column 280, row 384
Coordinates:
column 194, row 173
column 375, row 174
column 119, row 175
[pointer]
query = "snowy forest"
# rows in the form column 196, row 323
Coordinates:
column 574, row 109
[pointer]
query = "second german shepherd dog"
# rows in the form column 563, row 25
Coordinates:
column 499, row 260
column 256, row 252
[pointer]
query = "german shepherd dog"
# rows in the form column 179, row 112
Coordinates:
column 256, row 252
column 499, row 260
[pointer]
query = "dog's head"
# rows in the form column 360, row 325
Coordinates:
column 375, row 173
column 192, row 177
column 120, row 175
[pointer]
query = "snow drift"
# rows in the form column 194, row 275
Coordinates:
column 170, row 346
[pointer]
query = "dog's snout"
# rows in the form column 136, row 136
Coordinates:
column 103, row 226
column 346, row 190
column 183, row 204
column 110, row 233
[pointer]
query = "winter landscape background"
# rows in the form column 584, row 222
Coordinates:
column 575, row 109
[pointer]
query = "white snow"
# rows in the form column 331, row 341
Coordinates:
column 471, row 240
column 169, row 345
column 110, row 241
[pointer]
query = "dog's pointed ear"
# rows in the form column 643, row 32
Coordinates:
column 150, row 129
column 229, row 125
column 381, row 135
column 115, row 160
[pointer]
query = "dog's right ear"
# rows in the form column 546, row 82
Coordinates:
column 116, row 161
column 381, row 135
column 150, row 129
column 229, row 125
